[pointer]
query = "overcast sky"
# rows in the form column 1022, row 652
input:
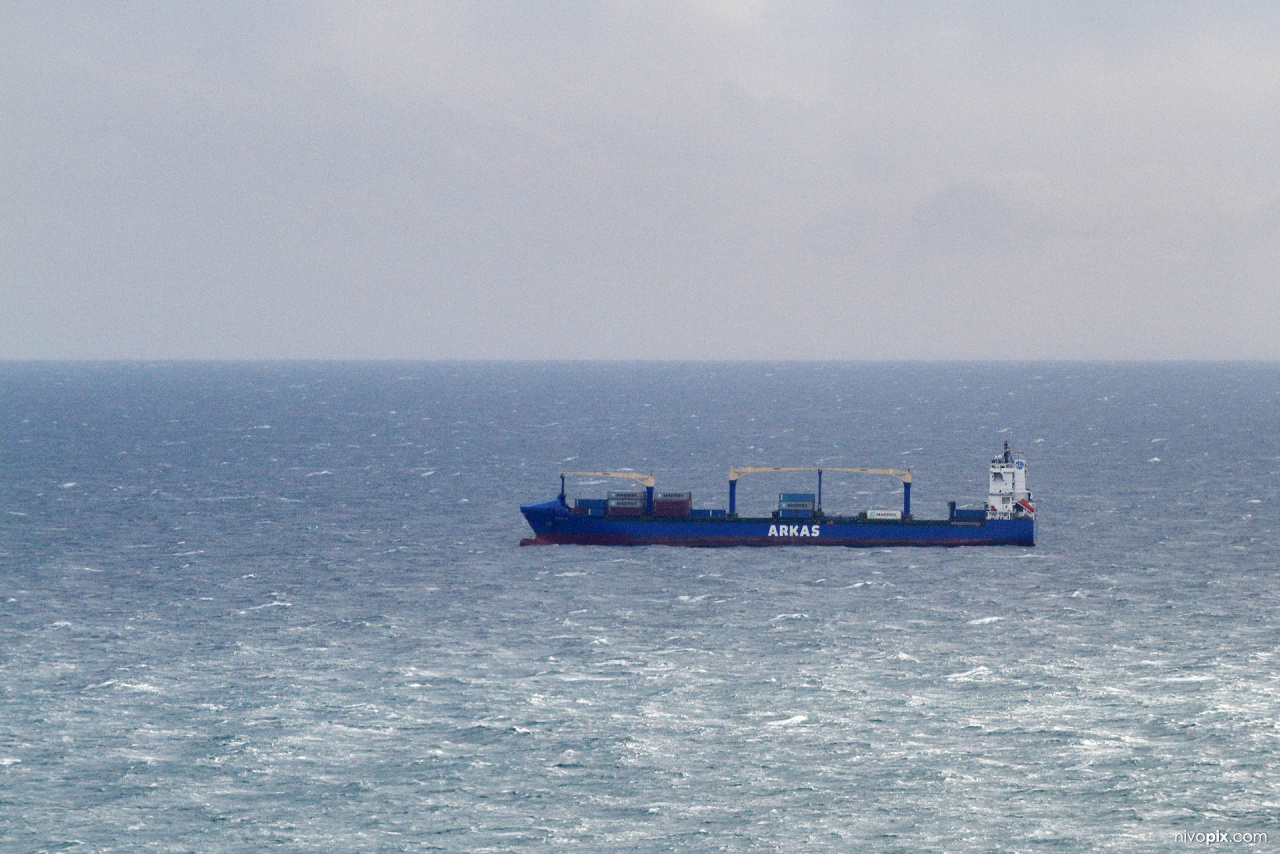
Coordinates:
column 706, row 179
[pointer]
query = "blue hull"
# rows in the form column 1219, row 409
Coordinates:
column 553, row 523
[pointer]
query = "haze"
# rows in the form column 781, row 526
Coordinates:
column 707, row 179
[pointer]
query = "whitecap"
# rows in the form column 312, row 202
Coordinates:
column 140, row 687
column 1190, row 679
column 574, row 677
column 982, row 621
column 791, row 721
column 973, row 675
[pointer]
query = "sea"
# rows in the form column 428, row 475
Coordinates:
column 283, row 607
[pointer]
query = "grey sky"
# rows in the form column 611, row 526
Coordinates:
column 698, row 179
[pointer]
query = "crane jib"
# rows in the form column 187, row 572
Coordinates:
column 903, row 475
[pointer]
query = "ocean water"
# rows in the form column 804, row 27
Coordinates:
column 282, row 607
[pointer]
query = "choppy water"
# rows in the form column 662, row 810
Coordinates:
column 250, row 607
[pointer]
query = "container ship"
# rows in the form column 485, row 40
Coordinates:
column 643, row 517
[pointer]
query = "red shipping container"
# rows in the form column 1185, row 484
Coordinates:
column 672, row 508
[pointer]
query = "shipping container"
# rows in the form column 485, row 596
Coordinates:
column 589, row 506
column 709, row 514
column 627, row 493
column 626, row 511
column 884, row 514
column 795, row 505
column 795, row 514
column 962, row 515
column 673, row 496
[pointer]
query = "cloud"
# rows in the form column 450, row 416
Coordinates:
column 617, row 179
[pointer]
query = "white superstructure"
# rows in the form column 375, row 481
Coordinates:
column 1008, row 497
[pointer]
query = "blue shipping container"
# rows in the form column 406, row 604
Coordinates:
column 795, row 514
